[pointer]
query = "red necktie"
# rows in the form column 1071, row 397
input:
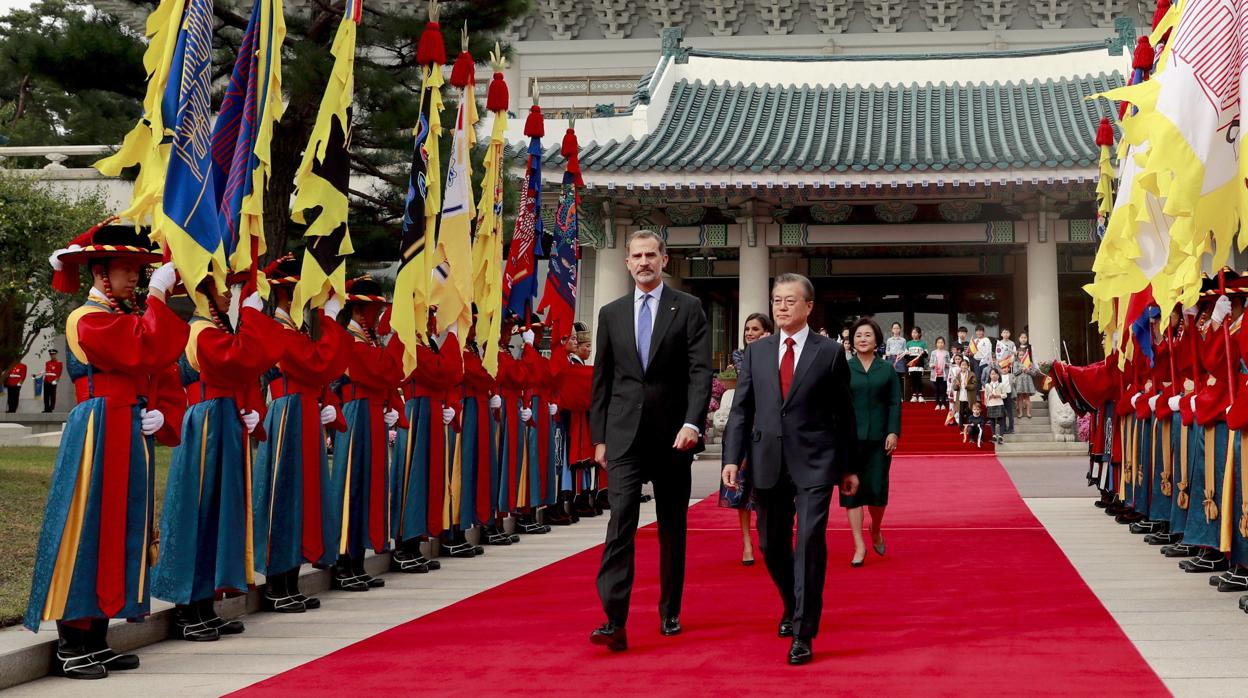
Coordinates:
column 786, row 368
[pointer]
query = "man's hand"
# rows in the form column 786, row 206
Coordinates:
column 849, row 485
column 600, row 454
column 890, row 444
column 729, row 476
column 686, row 439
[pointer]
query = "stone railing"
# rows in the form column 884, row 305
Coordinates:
column 56, row 155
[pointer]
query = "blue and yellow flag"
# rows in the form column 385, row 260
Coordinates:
column 240, row 142
column 187, row 220
column 324, row 175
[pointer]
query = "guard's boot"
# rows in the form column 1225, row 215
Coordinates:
column 453, row 544
column 208, row 613
column 494, row 535
column 1167, row 538
column 403, row 560
column 1234, row 579
column 557, row 514
column 1207, row 561
column 189, row 626
column 1129, row 517
column 278, row 596
column 73, row 659
column 602, row 501
column 97, row 645
column 292, row 585
column 583, row 505
column 357, row 568
column 1145, row 527
column 526, row 523
column 1107, row 498
column 344, row 578
column 1179, row 550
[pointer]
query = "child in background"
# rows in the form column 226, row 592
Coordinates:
column 994, row 398
column 916, row 355
column 939, row 363
column 895, row 352
column 973, row 429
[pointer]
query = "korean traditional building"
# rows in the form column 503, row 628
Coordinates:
column 934, row 177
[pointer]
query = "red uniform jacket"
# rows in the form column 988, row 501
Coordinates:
column 17, row 375
column 230, row 364
column 52, row 371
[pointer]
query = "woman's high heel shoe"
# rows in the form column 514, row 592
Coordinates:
column 859, row 563
column 878, row 547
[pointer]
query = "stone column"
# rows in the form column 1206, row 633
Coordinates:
column 611, row 279
column 1042, row 311
column 753, row 277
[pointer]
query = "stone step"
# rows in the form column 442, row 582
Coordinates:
column 1017, row 437
column 49, row 438
column 12, row 434
column 1032, row 426
column 1046, row 448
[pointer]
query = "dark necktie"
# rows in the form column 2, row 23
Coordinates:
column 786, row 368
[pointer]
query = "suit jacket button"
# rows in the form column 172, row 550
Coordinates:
column 783, row 413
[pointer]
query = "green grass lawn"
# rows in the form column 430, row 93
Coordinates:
column 25, row 474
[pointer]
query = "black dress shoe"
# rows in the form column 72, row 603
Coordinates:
column 786, row 628
column 309, row 602
column 800, row 652
column 670, row 626
column 1163, row 538
column 1205, row 565
column 1179, row 550
column 610, row 636
column 71, row 665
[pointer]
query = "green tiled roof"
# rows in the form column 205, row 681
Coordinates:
column 727, row 127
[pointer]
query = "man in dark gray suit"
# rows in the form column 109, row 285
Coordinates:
column 652, row 385
column 792, row 415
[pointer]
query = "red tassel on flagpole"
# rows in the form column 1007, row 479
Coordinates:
column 431, row 48
column 497, row 98
column 1143, row 59
column 535, row 126
column 570, row 149
column 1105, row 134
column 1163, row 6
column 464, row 72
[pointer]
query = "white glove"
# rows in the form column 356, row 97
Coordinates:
column 251, row 419
column 253, row 301
column 390, row 417
column 528, row 336
column 496, row 402
column 526, row 414
column 448, row 415
column 333, row 307
column 1193, row 403
column 1173, row 402
column 554, row 409
column 1134, row 398
column 1152, row 403
column 163, row 279
column 328, row 414
column 152, row 421
column 1221, row 309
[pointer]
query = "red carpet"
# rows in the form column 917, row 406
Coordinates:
column 924, row 432
column 974, row 598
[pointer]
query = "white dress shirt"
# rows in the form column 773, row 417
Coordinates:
column 799, row 341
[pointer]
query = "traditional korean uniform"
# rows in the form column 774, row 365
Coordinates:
column 421, row 498
column 541, row 483
column 97, row 543
column 510, row 439
column 476, row 451
column 206, row 522
column 291, row 493
column 1235, row 521
column 361, row 470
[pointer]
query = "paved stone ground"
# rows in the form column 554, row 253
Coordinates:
column 1192, row 636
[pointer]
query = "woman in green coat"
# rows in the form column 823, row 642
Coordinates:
column 876, row 392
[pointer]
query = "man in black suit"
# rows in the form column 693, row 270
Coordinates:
column 792, row 415
column 652, row 385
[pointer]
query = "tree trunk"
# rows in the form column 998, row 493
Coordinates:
column 290, row 135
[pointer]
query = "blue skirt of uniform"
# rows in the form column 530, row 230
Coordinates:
column 205, row 522
column 1137, row 475
column 63, row 585
column 1184, row 444
column 1238, row 512
column 1163, row 454
column 1201, row 529
column 409, row 471
column 277, row 486
column 353, row 481
column 471, row 464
